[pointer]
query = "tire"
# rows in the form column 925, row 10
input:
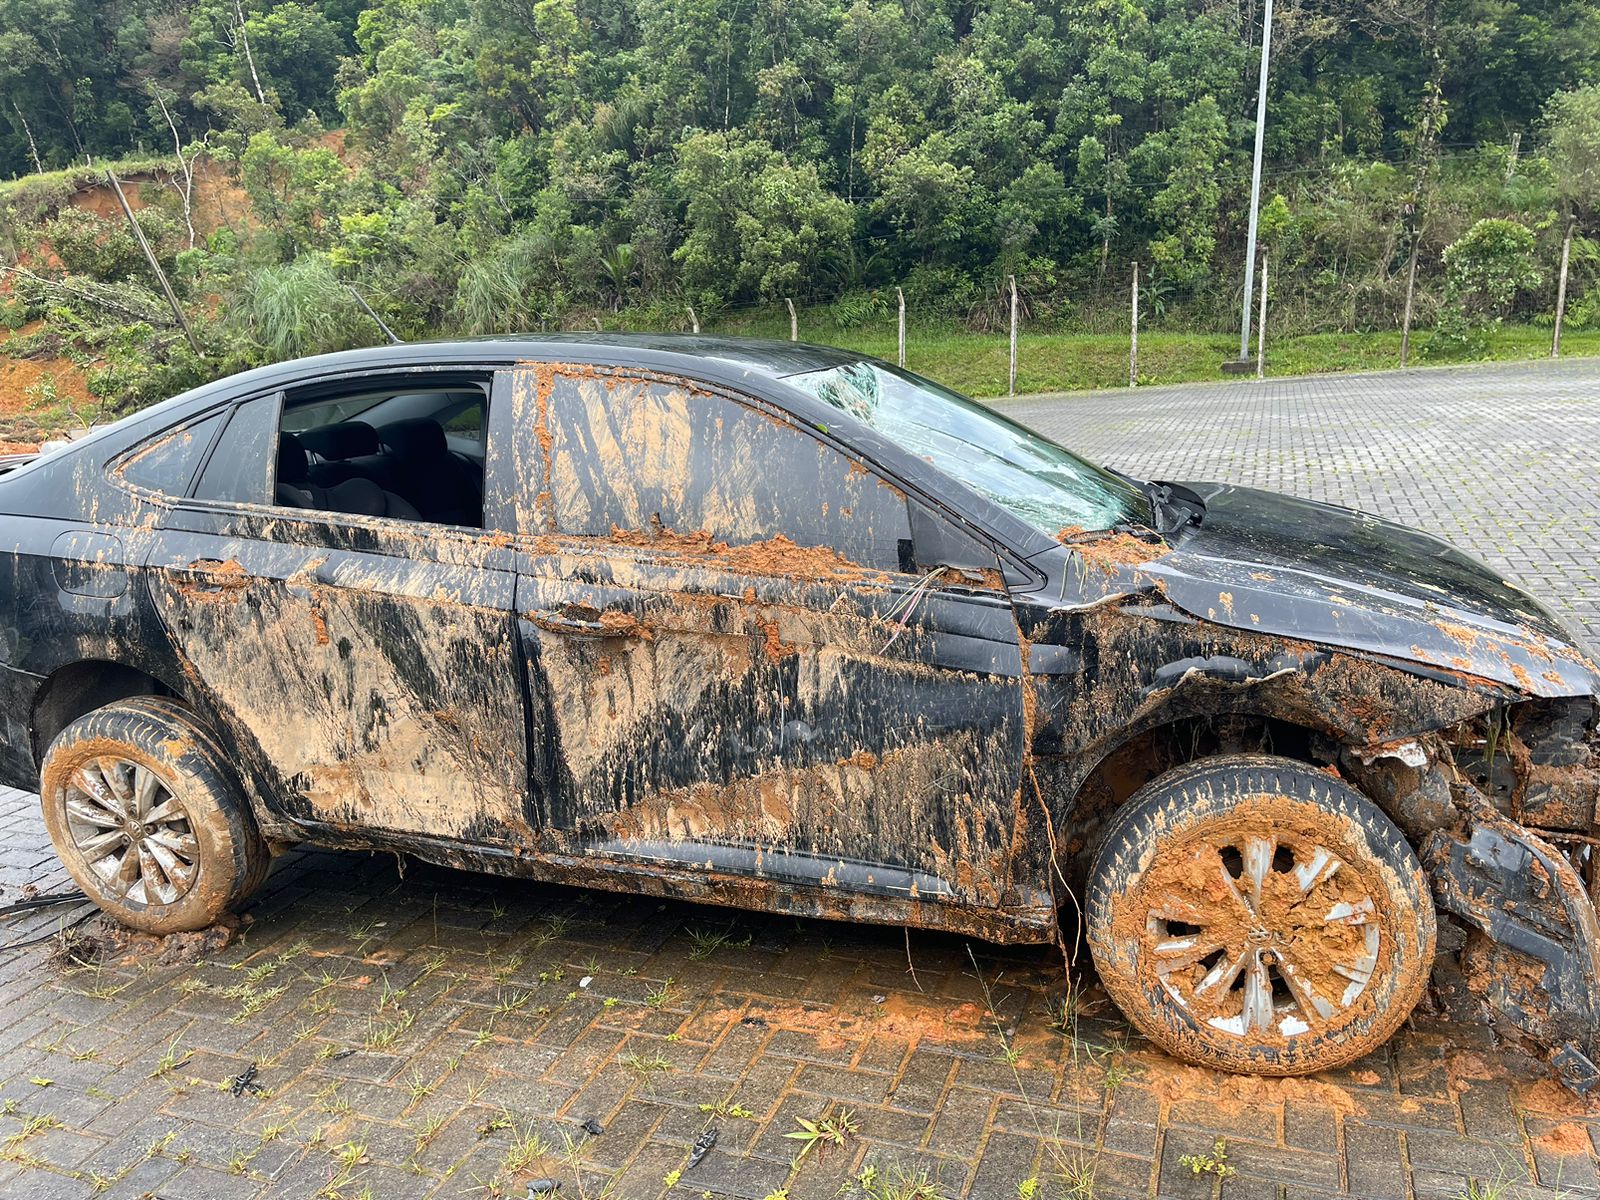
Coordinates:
column 202, row 855
column 1320, row 915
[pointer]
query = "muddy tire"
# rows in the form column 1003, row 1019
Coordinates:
column 148, row 817
column 1255, row 914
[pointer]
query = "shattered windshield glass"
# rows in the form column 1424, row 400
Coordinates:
column 1050, row 488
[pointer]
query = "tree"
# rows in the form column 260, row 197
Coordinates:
column 755, row 225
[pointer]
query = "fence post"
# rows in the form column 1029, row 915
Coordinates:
column 1561, row 289
column 1261, row 324
column 1012, row 389
column 794, row 321
column 694, row 321
column 901, row 297
column 1133, row 334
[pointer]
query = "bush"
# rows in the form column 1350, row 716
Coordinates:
column 857, row 308
column 1489, row 264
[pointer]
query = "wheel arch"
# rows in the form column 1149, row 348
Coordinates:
column 82, row 686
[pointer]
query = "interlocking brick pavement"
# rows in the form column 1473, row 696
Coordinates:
column 437, row 1033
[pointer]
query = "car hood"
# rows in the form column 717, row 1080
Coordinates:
column 1339, row 577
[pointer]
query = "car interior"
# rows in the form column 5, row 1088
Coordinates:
column 414, row 455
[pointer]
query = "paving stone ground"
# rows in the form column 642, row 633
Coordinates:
column 433, row 1033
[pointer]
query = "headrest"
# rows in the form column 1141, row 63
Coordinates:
column 293, row 467
column 419, row 438
column 347, row 439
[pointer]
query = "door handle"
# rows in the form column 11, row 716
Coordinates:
column 581, row 621
column 215, row 574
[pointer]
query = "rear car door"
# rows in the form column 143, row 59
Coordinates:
column 742, row 664
column 366, row 666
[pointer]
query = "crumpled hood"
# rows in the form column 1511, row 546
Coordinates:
column 1331, row 575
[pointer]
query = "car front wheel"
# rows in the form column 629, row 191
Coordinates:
column 1255, row 914
column 147, row 816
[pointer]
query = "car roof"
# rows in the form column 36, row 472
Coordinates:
column 763, row 356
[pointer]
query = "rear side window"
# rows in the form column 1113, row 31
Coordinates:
column 641, row 456
column 168, row 462
column 240, row 466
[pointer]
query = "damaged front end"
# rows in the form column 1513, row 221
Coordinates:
column 1506, row 812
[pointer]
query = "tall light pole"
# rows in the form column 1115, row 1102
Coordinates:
column 1255, row 187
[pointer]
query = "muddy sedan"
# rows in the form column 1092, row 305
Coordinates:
column 787, row 628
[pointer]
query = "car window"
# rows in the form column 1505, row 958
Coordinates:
column 1047, row 486
column 643, row 457
column 240, row 466
column 168, row 462
column 381, row 451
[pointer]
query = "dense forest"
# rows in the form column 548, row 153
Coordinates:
column 482, row 165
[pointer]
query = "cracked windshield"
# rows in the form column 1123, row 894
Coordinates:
column 1050, row 488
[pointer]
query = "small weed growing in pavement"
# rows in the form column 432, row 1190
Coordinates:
column 1214, row 1163
column 506, row 1005
column 826, row 1131
column 383, row 1034
column 645, row 1068
column 900, row 1184
column 501, row 1120
column 331, row 1102
column 390, row 996
column 430, row 1130
column 659, row 996
column 527, row 1148
column 1077, row 1179
column 417, row 1087
column 1115, row 1076
column 724, row 1111
column 708, row 941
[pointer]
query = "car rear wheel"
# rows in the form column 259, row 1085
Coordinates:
column 147, row 816
column 1255, row 914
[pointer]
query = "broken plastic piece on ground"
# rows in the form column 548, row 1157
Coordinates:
column 245, row 1081
column 702, row 1147
column 593, row 1128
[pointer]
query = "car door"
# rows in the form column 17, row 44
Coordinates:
column 368, row 667
column 741, row 663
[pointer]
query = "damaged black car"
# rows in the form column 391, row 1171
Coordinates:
column 785, row 627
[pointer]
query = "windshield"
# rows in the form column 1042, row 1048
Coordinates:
column 1050, row 488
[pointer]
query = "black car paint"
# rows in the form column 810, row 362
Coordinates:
column 1359, row 631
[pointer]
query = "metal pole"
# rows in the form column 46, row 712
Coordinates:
column 1012, row 389
column 150, row 257
column 901, row 296
column 794, row 321
column 1261, row 324
column 1255, row 185
column 367, row 308
column 1133, row 338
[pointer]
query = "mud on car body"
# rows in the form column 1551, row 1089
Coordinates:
column 775, row 626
